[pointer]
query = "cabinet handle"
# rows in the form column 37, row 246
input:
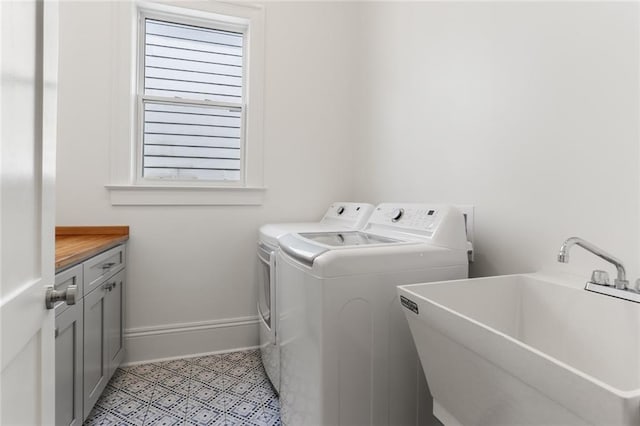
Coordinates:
column 109, row 286
column 108, row 265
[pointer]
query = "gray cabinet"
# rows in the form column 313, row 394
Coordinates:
column 104, row 336
column 89, row 334
column 96, row 368
column 69, row 342
column 114, row 321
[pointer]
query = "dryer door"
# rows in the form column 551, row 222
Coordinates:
column 266, row 290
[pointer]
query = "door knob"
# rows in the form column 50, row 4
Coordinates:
column 67, row 295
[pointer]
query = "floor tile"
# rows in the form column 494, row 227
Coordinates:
column 218, row 402
column 252, row 362
column 169, row 401
column 144, row 395
column 176, row 365
column 203, row 393
column 138, row 419
column 244, row 409
column 257, row 394
column 222, row 382
column 213, row 390
column 175, row 383
column 272, row 403
column 138, row 384
column 241, row 388
column 238, row 371
column 235, row 356
column 206, row 361
column 146, row 371
column 232, row 421
column 161, row 373
column 202, row 374
column 221, row 365
column 228, row 400
column 167, row 420
column 109, row 398
column 255, row 376
column 202, row 414
column 265, row 418
column 108, row 419
column 129, row 407
column 122, row 379
column 156, row 416
column 96, row 414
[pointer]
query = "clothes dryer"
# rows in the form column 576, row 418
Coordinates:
column 340, row 216
column 347, row 356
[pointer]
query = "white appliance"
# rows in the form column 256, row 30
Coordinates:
column 347, row 356
column 340, row 216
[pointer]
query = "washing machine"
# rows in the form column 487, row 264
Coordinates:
column 347, row 356
column 340, row 216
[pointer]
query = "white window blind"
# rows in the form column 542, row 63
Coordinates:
column 192, row 102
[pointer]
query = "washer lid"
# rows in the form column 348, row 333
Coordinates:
column 349, row 238
column 306, row 247
column 341, row 216
column 271, row 233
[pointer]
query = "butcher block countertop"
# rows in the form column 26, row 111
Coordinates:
column 75, row 244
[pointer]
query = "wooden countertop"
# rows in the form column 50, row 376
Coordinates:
column 74, row 244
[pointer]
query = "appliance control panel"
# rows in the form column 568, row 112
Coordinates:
column 438, row 223
column 354, row 215
column 408, row 216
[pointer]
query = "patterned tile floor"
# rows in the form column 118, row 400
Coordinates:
column 227, row 389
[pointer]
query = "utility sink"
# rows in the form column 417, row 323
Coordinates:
column 526, row 350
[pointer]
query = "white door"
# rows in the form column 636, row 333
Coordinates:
column 28, row 88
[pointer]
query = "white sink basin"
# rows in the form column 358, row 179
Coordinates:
column 526, row 350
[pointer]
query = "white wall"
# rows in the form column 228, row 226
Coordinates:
column 528, row 110
column 188, row 265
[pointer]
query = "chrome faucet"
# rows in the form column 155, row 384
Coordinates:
column 620, row 282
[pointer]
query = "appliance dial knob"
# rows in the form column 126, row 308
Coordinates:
column 396, row 214
column 340, row 210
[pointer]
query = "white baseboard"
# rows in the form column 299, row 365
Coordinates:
column 170, row 358
column 146, row 344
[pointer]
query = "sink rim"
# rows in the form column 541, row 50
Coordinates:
column 557, row 280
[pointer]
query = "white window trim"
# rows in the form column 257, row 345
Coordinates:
column 127, row 187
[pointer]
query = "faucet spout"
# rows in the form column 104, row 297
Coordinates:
column 563, row 257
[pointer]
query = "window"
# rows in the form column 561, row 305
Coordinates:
column 191, row 101
column 187, row 104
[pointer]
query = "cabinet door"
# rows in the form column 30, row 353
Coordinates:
column 69, row 338
column 96, row 367
column 114, row 321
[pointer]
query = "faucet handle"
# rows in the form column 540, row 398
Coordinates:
column 600, row 277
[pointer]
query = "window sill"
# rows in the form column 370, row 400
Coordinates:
column 152, row 195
